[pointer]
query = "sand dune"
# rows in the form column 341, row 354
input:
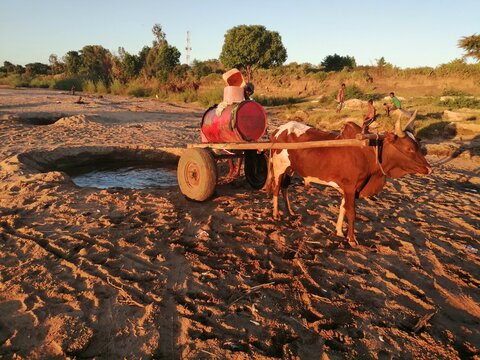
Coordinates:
column 122, row 273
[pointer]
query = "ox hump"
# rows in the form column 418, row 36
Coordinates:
column 292, row 127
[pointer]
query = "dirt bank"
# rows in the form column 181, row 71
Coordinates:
column 125, row 273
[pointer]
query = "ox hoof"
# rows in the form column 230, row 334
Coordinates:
column 294, row 216
column 353, row 243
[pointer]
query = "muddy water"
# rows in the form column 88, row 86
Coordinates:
column 127, row 177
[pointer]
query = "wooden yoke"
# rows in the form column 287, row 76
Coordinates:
column 290, row 146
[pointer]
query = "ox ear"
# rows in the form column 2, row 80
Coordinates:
column 411, row 121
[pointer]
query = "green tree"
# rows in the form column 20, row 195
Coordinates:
column 249, row 47
column 162, row 58
column 56, row 67
column 96, row 63
column 161, row 61
column 160, row 36
column 337, row 62
column 381, row 62
column 204, row 68
column 37, row 68
column 73, row 61
column 471, row 45
column 19, row 69
column 126, row 65
column 130, row 66
column 142, row 59
column 9, row 67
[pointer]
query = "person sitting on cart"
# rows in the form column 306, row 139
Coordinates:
column 394, row 104
column 248, row 91
column 370, row 117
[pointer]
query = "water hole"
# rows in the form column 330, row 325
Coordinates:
column 41, row 120
column 124, row 175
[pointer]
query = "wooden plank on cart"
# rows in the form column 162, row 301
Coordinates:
column 291, row 146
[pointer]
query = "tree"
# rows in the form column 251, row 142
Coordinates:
column 160, row 36
column 142, row 56
column 37, row 68
column 19, row 69
column 73, row 61
column 204, row 68
column 9, row 67
column 130, row 66
column 381, row 62
column 56, row 67
column 249, row 47
column 161, row 59
column 471, row 45
column 96, row 63
column 337, row 62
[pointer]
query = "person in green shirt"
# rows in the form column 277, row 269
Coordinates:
column 393, row 105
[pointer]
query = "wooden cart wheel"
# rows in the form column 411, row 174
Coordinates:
column 256, row 168
column 197, row 174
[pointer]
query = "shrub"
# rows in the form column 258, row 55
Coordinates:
column 100, row 87
column 422, row 71
column 354, row 92
column 461, row 102
column 276, row 101
column 116, row 87
column 188, row 96
column 138, row 90
column 15, row 81
column 211, row 97
column 42, row 82
column 454, row 92
column 89, row 86
column 458, row 67
column 211, row 79
column 67, row 84
column 321, row 76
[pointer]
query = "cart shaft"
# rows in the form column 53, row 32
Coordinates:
column 290, row 146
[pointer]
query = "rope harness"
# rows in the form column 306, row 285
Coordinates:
column 378, row 147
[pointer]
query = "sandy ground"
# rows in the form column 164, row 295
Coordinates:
column 120, row 273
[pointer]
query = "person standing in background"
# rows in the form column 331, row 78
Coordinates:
column 341, row 98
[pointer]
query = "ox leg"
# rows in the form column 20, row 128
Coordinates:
column 231, row 168
column 341, row 216
column 284, row 186
column 239, row 167
column 276, row 191
column 350, row 211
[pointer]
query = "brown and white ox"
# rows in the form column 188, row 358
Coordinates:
column 356, row 172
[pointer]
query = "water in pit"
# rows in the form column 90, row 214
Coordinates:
column 126, row 177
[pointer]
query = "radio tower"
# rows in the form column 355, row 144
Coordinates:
column 188, row 48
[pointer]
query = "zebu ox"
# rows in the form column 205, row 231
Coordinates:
column 356, row 172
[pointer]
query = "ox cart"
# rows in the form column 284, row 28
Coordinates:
column 197, row 167
column 233, row 130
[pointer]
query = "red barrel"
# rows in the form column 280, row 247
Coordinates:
column 241, row 122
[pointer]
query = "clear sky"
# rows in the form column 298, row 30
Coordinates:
column 408, row 33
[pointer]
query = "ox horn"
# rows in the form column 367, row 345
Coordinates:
column 398, row 129
column 409, row 126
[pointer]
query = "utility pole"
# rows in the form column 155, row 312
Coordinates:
column 188, row 48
